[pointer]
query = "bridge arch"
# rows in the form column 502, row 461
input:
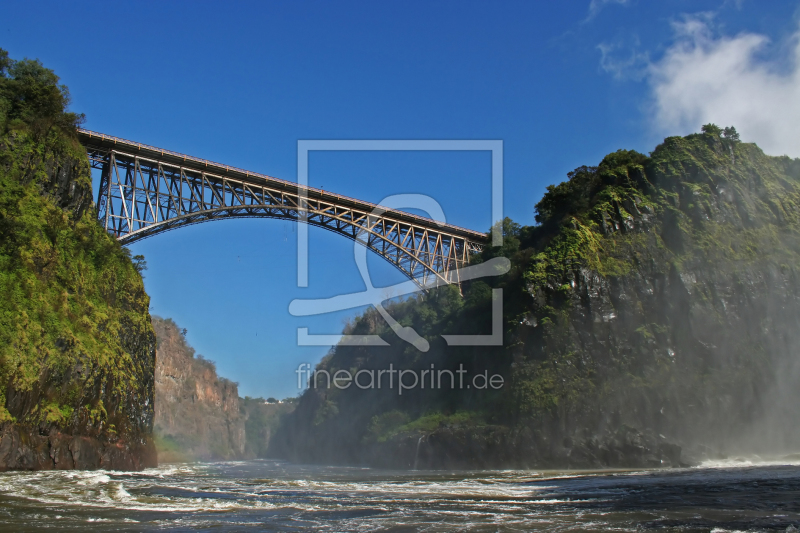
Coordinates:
column 146, row 190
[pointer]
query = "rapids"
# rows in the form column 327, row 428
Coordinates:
column 736, row 495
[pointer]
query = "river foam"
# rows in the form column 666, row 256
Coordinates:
column 257, row 494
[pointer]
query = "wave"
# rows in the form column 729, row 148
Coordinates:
column 746, row 461
column 236, row 496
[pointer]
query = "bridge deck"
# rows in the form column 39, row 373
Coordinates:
column 102, row 142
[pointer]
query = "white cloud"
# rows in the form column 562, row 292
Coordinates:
column 595, row 6
column 628, row 66
column 704, row 78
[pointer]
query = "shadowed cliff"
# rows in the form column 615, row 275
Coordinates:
column 650, row 318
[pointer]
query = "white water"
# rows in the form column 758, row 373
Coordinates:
column 416, row 455
column 264, row 494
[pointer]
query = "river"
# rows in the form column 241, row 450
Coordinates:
column 735, row 495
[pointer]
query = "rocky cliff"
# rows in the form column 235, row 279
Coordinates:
column 77, row 351
column 651, row 318
column 197, row 415
column 262, row 419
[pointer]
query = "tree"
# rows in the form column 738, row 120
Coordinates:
column 730, row 133
column 510, row 231
column 139, row 263
column 5, row 62
column 31, row 93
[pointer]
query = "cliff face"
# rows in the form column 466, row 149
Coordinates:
column 262, row 418
column 77, row 352
column 197, row 413
column 651, row 318
column 669, row 300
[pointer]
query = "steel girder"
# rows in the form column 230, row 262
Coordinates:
column 141, row 196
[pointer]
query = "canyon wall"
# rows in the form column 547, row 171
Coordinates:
column 77, row 350
column 197, row 413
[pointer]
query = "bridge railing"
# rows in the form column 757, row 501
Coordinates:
column 92, row 134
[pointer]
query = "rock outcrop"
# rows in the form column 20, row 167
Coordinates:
column 197, row 415
column 77, row 351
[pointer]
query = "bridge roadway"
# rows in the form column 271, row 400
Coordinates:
column 146, row 190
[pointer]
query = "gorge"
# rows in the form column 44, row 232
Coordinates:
column 650, row 319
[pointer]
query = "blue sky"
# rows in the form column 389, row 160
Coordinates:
column 560, row 83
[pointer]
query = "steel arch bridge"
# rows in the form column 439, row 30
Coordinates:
column 146, row 190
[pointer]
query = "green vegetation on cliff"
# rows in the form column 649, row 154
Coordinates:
column 262, row 418
column 656, row 293
column 703, row 216
column 76, row 343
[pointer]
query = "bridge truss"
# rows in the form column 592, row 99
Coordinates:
column 146, row 190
